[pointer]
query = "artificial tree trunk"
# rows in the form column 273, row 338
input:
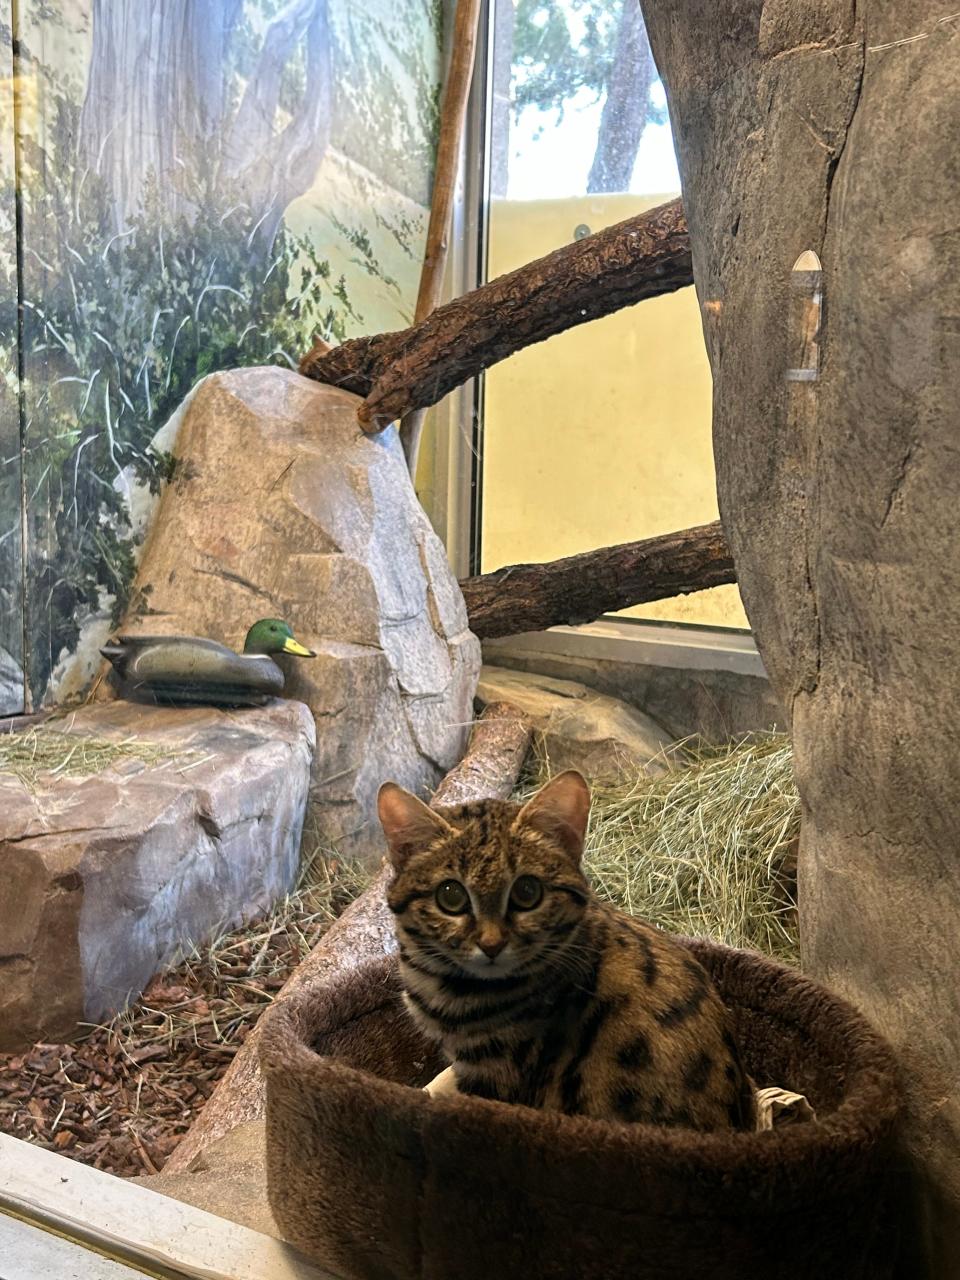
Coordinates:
column 831, row 127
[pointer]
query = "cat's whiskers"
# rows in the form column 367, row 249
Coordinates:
column 570, row 956
column 434, row 954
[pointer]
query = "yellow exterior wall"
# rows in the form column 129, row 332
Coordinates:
column 602, row 434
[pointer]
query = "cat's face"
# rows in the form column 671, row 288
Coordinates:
column 490, row 888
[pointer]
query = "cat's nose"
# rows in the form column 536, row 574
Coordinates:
column 492, row 946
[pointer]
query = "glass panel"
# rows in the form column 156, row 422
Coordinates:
column 204, row 184
column 11, row 558
column 602, row 434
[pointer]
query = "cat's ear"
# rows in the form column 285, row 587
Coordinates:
column 560, row 810
column 407, row 822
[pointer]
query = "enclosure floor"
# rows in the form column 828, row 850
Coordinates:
column 122, row 1098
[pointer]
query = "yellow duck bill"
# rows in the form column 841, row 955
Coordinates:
column 294, row 646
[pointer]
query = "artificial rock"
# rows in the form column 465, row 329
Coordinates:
column 108, row 878
column 227, row 1178
column 280, row 506
column 578, row 728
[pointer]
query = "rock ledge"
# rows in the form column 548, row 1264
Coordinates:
column 108, row 878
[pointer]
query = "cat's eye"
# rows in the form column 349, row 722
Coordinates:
column 527, row 893
column 452, row 897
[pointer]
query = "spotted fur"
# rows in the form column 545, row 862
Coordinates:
column 569, row 1005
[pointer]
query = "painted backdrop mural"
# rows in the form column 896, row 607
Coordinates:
column 202, row 184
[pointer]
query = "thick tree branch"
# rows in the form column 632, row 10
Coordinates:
column 642, row 257
column 578, row 589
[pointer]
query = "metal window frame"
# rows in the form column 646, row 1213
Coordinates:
column 641, row 643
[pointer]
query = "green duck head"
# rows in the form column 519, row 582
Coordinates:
column 273, row 635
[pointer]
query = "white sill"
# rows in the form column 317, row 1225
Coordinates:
column 649, row 644
column 56, row 1209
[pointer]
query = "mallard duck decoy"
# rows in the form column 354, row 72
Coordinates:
column 178, row 669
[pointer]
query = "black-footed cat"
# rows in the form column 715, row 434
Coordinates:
column 538, row 992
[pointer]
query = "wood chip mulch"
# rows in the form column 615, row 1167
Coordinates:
column 121, row 1098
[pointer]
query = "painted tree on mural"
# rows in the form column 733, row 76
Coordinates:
column 163, row 98
column 561, row 49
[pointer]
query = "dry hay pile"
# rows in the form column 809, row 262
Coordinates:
column 705, row 849
column 42, row 753
column 708, row 849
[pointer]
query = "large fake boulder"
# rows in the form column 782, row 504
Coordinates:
column 280, row 507
column 823, row 135
column 189, row 821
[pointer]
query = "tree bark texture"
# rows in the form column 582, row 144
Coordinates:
column 489, row 770
column 578, row 589
column 642, row 257
column 831, row 127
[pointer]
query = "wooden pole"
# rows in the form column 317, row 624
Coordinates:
column 453, row 113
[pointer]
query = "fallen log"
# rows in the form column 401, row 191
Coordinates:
column 643, row 257
column 493, row 760
column 489, row 769
column 578, row 589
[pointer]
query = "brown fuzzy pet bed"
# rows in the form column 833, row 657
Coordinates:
column 377, row 1180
